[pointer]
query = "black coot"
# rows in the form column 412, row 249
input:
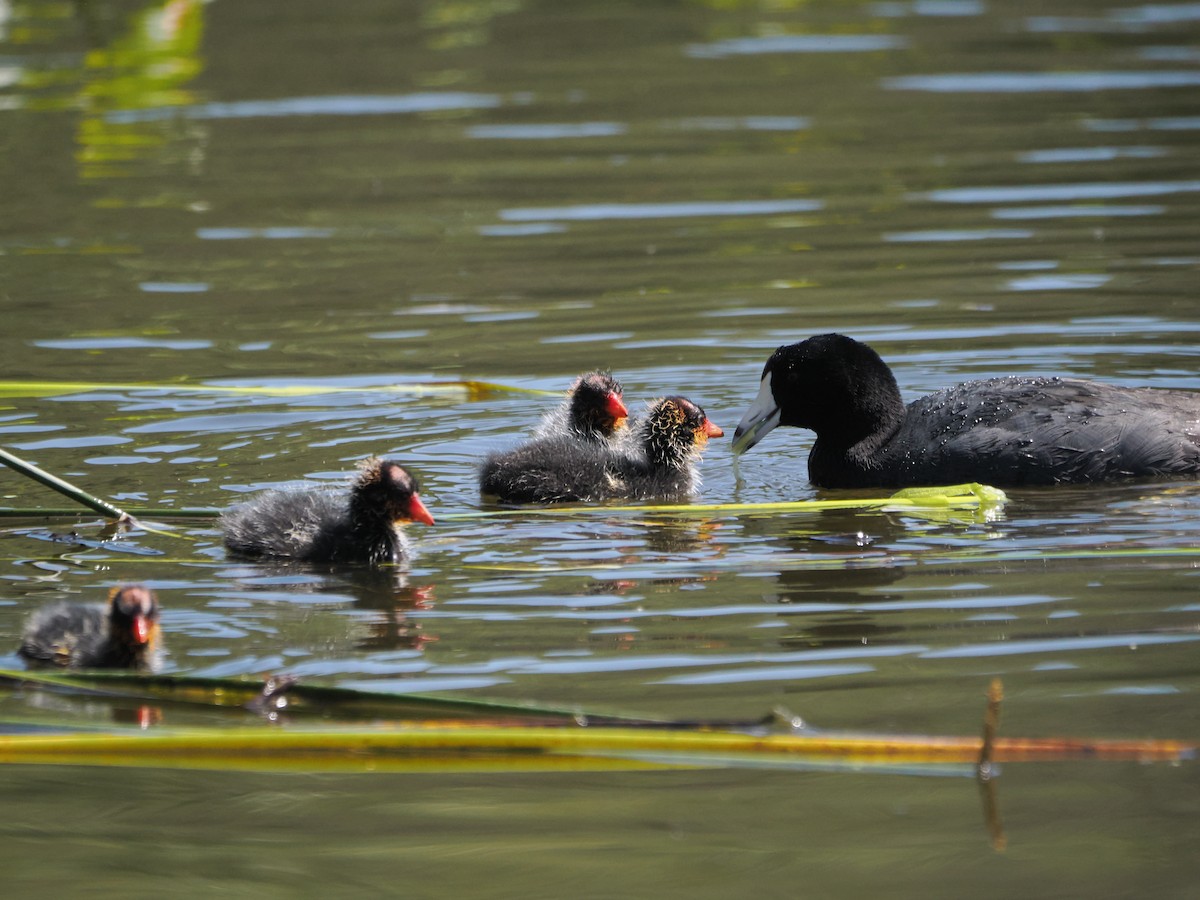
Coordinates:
column 123, row 634
column 656, row 460
column 331, row 525
column 1002, row 431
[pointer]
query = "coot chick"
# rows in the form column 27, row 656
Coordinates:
column 122, row 635
column 331, row 525
column 667, row 444
column 656, row 460
column 592, row 413
column 1002, row 431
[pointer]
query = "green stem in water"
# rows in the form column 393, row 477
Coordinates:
column 63, row 487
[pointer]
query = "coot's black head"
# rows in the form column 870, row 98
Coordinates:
column 133, row 616
column 596, row 406
column 385, row 489
column 831, row 384
column 677, row 431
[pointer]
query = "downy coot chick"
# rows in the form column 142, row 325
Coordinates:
column 1002, row 431
column 122, row 635
column 592, row 413
column 656, row 460
column 667, row 444
column 330, row 525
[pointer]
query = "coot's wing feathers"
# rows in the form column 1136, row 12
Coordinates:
column 549, row 470
column 64, row 633
column 1045, row 431
column 639, row 479
column 285, row 523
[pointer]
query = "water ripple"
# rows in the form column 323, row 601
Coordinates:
column 797, row 43
column 545, row 132
column 1165, row 123
column 1090, row 154
column 1038, row 82
column 1036, row 192
column 944, row 8
column 337, row 105
column 602, row 211
column 1059, row 645
column 122, row 343
column 529, row 230
column 1080, row 211
column 276, row 234
column 952, row 235
column 748, row 123
column 767, row 673
column 1058, row 282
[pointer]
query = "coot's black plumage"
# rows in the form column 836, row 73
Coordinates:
column 123, row 634
column 656, row 460
column 593, row 411
column 331, row 525
column 1002, row 431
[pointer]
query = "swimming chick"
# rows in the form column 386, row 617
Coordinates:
column 330, row 525
column 124, row 634
column 657, row 460
column 593, row 411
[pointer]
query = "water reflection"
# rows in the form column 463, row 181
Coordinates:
column 602, row 211
column 546, row 132
column 344, row 105
column 1058, row 192
column 797, row 43
column 1024, row 83
column 1074, row 212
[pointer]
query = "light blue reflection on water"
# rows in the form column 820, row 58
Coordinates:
column 1165, row 123
column 1060, row 645
column 767, row 673
column 1090, row 154
column 336, row 105
column 275, row 234
column 173, row 287
column 1134, row 18
column 122, row 343
column 546, row 131
column 529, row 230
column 99, row 440
column 1081, row 211
column 748, row 123
column 952, row 235
column 595, row 338
column 1170, row 54
column 797, row 43
column 420, row 685
column 1037, row 82
column 941, row 8
column 600, row 211
column 1035, row 192
column 1058, row 282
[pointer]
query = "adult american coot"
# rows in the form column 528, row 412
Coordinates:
column 656, row 460
column 122, row 635
column 593, row 411
column 331, row 525
column 1002, row 431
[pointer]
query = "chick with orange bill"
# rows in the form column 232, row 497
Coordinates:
column 594, row 411
column 657, row 460
column 329, row 525
column 122, row 635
